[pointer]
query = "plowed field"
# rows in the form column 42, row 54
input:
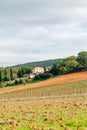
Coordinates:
column 68, row 78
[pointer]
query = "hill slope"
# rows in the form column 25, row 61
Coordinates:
column 57, row 81
column 39, row 63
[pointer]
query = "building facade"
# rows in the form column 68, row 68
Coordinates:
column 38, row 70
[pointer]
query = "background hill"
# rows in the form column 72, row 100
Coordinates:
column 39, row 63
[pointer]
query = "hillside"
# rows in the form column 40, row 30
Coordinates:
column 39, row 63
column 19, row 74
column 67, row 84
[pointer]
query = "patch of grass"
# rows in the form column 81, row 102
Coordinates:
column 47, row 114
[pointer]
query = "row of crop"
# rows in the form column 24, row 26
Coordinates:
column 54, row 90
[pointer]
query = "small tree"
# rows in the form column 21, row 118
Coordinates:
column 6, row 75
column 0, row 76
column 20, row 74
column 55, row 69
column 11, row 74
column 16, row 82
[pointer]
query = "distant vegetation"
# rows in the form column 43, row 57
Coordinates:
column 40, row 63
column 67, row 65
column 20, row 74
column 71, row 64
column 14, row 75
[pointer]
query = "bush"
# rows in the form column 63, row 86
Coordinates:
column 6, row 78
column 21, row 81
column 43, row 76
column 2, row 84
column 10, row 83
column 16, row 82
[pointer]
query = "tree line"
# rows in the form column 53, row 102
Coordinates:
column 66, row 65
column 13, row 73
column 71, row 64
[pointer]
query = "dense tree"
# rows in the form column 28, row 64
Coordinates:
column 43, row 76
column 69, row 64
column 26, row 70
column 82, row 58
column 65, row 65
column 63, row 70
column 55, row 69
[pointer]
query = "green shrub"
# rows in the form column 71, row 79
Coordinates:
column 43, row 76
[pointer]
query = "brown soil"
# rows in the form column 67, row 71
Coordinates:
column 74, row 77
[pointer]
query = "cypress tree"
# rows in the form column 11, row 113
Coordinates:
column 0, row 76
column 11, row 74
column 6, row 75
column 20, row 74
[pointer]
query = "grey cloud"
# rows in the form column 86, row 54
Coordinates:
column 41, row 29
column 43, row 11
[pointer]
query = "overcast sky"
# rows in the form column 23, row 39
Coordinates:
column 32, row 30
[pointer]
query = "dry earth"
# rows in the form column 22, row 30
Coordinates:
column 74, row 77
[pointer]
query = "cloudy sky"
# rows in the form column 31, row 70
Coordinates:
column 32, row 30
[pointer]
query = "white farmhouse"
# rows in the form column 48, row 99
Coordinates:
column 38, row 70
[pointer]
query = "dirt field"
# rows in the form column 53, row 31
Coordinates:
column 74, row 77
column 47, row 114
